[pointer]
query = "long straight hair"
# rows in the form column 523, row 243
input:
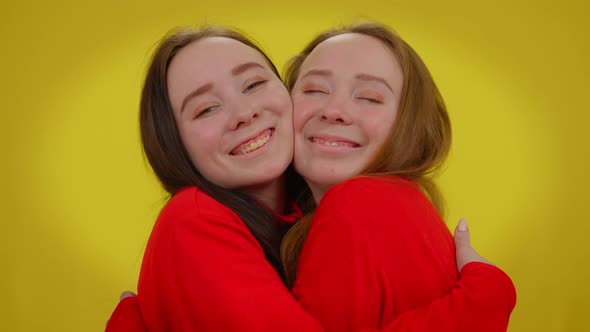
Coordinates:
column 418, row 142
column 167, row 155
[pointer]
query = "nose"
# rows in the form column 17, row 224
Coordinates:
column 244, row 115
column 334, row 112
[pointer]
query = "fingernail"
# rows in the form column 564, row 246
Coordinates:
column 462, row 225
column 126, row 294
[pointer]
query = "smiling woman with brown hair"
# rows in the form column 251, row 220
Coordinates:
column 370, row 129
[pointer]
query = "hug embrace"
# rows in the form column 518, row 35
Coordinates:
column 307, row 203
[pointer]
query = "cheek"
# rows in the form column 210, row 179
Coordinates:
column 303, row 111
column 277, row 98
column 379, row 128
column 381, row 135
column 200, row 140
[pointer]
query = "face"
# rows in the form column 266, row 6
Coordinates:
column 233, row 114
column 345, row 102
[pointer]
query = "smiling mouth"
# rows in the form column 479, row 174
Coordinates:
column 253, row 144
column 335, row 143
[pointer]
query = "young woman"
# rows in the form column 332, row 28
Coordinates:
column 215, row 122
column 365, row 104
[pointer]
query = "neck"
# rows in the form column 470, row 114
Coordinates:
column 272, row 194
column 317, row 190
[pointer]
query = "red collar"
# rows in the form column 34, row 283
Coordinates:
column 292, row 215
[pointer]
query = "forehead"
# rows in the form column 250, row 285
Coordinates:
column 353, row 52
column 211, row 56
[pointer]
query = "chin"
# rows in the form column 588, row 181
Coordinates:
column 326, row 180
column 267, row 174
column 280, row 162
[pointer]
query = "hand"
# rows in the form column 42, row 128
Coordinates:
column 127, row 316
column 126, row 294
column 465, row 252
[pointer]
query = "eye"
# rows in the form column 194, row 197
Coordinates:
column 370, row 97
column 254, row 85
column 371, row 100
column 312, row 91
column 313, row 88
column 206, row 111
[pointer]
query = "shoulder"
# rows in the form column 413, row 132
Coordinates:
column 373, row 190
column 192, row 200
column 376, row 203
column 191, row 207
column 192, row 220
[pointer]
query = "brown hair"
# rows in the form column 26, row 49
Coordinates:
column 418, row 142
column 167, row 155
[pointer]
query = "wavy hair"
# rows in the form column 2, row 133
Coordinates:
column 418, row 143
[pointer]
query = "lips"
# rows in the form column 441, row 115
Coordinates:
column 253, row 143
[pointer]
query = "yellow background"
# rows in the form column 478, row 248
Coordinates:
column 78, row 201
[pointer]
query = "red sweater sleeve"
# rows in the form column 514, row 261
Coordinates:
column 204, row 271
column 481, row 301
column 439, row 315
column 377, row 256
column 126, row 317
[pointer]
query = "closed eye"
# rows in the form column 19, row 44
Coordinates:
column 371, row 100
column 370, row 96
column 311, row 91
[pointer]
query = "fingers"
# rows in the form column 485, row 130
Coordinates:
column 462, row 226
column 126, row 294
column 462, row 235
column 465, row 253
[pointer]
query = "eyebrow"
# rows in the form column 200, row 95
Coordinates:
column 245, row 66
column 316, row 72
column 201, row 90
column 362, row 77
column 209, row 86
column 367, row 77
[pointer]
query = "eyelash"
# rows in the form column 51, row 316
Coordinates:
column 314, row 91
column 371, row 100
column 209, row 109
column 254, row 85
column 206, row 111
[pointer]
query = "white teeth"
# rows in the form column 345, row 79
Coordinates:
column 330, row 143
column 334, row 142
column 255, row 145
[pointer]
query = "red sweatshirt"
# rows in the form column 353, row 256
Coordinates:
column 204, row 271
column 378, row 252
